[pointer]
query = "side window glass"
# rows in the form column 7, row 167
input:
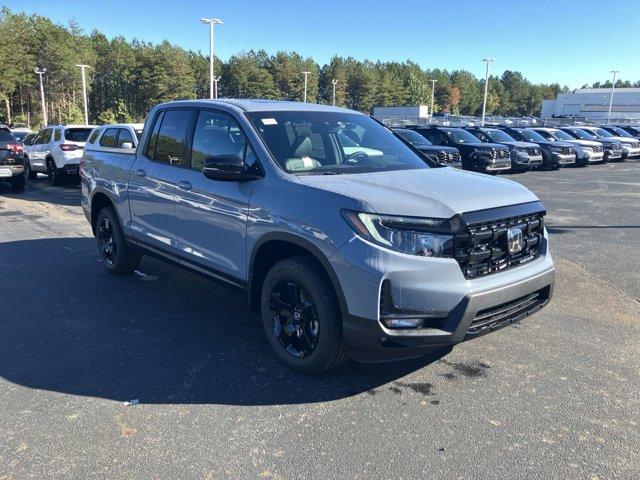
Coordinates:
column 38, row 139
column 151, row 146
column 109, row 138
column 125, row 137
column 172, row 137
column 56, row 135
column 46, row 136
column 94, row 135
column 216, row 134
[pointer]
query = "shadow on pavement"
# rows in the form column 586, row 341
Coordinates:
column 39, row 190
column 161, row 336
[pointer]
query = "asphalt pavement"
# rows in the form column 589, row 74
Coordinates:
column 163, row 374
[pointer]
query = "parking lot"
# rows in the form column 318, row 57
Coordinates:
column 555, row 396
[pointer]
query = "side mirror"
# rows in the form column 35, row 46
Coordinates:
column 128, row 145
column 230, row 168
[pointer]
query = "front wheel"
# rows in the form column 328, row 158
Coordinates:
column 117, row 255
column 301, row 316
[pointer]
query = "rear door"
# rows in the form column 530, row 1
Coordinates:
column 211, row 215
column 154, row 176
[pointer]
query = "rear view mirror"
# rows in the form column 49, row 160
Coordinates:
column 126, row 145
column 226, row 168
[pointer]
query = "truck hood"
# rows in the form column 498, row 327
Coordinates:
column 436, row 192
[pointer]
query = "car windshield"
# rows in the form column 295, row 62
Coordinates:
column 77, row 134
column 20, row 136
column 620, row 132
column 581, row 134
column 414, row 138
column 531, row 136
column 457, row 135
column 332, row 143
column 600, row 133
column 498, row 135
column 561, row 135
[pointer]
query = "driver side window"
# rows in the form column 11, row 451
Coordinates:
column 216, row 134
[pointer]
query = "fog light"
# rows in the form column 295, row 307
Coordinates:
column 403, row 322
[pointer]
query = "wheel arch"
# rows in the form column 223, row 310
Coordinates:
column 276, row 246
column 100, row 200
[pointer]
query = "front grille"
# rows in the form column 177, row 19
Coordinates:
column 616, row 146
column 636, row 145
column 534, row 152
column 597, row 149
column 448, row 157
column 568, row 151
column 482, row 248
column 502, row 315
column 496, row 154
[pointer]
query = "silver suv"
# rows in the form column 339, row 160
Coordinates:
column 369, row 251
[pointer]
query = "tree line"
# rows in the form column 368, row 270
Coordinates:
column 127, row 78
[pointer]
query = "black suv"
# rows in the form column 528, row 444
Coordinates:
column 554, row 154
column 448, row 156
column 632, row 130
column 476, row 155
column 524, row 155
column 12, row 164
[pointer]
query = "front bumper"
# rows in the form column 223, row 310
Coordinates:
column 558, row 159
column 630, row 152
column 8, row 171
column 523, row 160
column 612, row 155
column 591, row 157
column 435, row 288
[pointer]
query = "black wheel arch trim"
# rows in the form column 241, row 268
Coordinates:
column 312, row 249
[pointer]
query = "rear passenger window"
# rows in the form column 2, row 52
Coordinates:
column 109, row 138
column 171, row 137
column 216, row 134
column 125, row 137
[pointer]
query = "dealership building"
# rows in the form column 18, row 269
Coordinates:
column 594, row 103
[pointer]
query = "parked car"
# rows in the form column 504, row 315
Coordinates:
column 587, row 151
column 555, row 154
column 476, row 155
column 21, row 133
column 116, row 136
column 12, row 163
column 377, row 257
column 524, row 155
column 57, row 150
column 630, row 144
column 448, row 156
column 613, row 149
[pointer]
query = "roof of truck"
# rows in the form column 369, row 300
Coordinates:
column 259, row 105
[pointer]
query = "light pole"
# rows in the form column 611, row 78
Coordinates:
column 215, row 86
column 306, row 81
column 40, row 72
column 211, row 22
column 613, row 87
column 334, row 82
column 486, row 87
column 433, row 91
column 84, row 92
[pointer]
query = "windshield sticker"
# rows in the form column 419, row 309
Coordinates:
column 269, row 121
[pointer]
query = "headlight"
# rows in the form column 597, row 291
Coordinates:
column 409, row 235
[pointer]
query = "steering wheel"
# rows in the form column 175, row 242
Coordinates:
column 356, row 157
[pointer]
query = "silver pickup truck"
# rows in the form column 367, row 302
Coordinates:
column 371, row 251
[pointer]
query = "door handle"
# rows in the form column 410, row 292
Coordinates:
column 184, row 185
column 141, row 173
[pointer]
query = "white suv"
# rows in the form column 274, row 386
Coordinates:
column 57, row 151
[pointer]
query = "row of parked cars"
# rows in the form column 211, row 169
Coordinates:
column 496, row 148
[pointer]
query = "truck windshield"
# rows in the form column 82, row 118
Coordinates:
column 332, row 143
column 531, row 136
column 457, row 135
column 414, row 138
column 619, row 132
column 581, row 134
column 498, row 136
column 600, row 133
column 560, row 135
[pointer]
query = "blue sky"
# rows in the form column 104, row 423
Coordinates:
column 571, row 42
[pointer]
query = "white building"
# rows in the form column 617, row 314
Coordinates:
column 594, row 103
column 418, row 111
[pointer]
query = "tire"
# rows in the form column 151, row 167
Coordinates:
column 18, row 183
column 29, row 175
column 322, row 316
column 55, row 178
column 118, row 256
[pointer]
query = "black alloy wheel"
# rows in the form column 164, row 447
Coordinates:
column 107, row 242
column 294, row 318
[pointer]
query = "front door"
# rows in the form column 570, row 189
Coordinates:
column 153, row 180
column 211, row 214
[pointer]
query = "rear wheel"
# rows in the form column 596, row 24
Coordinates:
column 117, row 255
column 54, row 175
column 301, row 316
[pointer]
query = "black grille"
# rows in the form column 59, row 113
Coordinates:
column 495, row 154
column 448, row 157
column 636, row 145
column 534, row 152
column 616, row 146
column 506, row 313
column 568, row 151
column 597, row 148
column 482, row 248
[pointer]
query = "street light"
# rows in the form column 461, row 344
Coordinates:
column 334, row 82
column 613, row 87
column 84, row 92
column 486, row 87
column 433, row 91
column 40, row 72
column 211, row 22
column 306, row 81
